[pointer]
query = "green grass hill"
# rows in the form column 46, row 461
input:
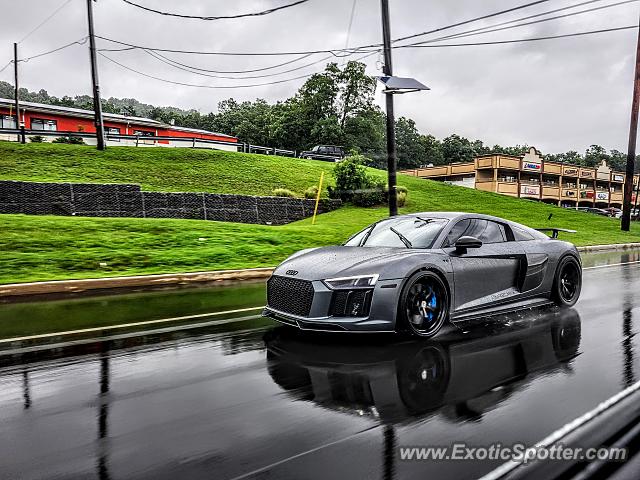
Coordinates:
column 52, row 248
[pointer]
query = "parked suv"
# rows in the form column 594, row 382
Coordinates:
column 329, row 153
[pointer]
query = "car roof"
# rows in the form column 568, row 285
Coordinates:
column 462, row 215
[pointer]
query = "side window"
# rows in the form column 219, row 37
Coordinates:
column 521, row 235
column 456, row 232
column 484, row 230
column 493, row 233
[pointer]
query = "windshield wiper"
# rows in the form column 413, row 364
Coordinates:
column 404, row 239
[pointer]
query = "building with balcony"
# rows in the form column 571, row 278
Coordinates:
column 532, row 178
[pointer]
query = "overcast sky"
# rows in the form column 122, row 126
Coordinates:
column 557, row 94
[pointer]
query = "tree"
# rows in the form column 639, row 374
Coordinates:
column 594, row 156
column 432, row 150
column 457, row 149
column 410, row 150
column 571, row 157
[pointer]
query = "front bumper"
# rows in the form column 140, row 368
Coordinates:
column 381, row 317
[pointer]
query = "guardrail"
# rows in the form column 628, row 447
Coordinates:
column 190, row 142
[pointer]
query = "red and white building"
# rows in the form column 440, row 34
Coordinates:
column 67, row 120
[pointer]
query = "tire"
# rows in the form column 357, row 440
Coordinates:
column 424, row 305
column 423, row 378
column 567, row 282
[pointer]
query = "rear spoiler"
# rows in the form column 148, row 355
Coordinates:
column 555, row 231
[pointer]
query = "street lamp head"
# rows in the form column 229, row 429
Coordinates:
column 398, row 85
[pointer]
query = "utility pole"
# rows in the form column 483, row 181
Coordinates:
column 631, row 151
column 97, row 104
column 391, row 132
column 21, row 137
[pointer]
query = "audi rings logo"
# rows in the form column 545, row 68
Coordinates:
column 293, row 273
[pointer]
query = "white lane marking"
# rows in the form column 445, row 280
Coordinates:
column 126, row 325
column 562, row 432
column 611, row 265
column 121, row 336
column 302, row 454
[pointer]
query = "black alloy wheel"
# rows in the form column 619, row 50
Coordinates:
column 568, row 282
column 425, row 304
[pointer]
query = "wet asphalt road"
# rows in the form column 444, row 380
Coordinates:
column 267, row 402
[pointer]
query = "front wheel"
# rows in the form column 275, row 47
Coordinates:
column 424, row 305
column 567, row 283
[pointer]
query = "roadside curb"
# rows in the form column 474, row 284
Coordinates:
column 177, row 279
column 613, row 247
column 138, row 281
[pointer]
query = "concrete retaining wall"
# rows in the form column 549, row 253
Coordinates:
column 127, row 200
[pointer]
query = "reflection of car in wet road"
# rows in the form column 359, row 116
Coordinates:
column 413, row 273
column 462, row 378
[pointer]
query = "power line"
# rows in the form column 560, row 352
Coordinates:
column 490, row 29
column 484, row 17
column 351, row 17
column 132, row 46
column 82, row 41
column 216, row 87
column 218, row 17
column 169, row 62
column 332, row 51
column 6, row 66
column 518, row 40
column 263, row 69
column 521, row 18
column 45, row 21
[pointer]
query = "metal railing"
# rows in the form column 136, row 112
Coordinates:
column 191, row 142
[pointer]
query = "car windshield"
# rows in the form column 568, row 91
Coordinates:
column 402, row 232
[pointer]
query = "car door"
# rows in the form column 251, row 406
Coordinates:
column 487, row 275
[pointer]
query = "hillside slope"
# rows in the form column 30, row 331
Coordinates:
column 46, row 248
column 159, row 169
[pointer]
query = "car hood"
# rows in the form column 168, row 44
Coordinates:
column 332, row 262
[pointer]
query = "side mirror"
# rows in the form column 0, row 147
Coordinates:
column 466, row 242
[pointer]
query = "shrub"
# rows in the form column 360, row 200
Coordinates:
column 36, row 139
column 373, row 194
column 283, row 192
column 351, row 176
column 402, row 199
column 311, row 192
column 71, row 139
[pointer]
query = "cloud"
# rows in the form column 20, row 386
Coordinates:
column 558, row 94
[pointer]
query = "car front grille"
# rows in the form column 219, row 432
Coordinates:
column 290, row 295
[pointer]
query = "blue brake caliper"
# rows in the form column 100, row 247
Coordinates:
column 432, row 304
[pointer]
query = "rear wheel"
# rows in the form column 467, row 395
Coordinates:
column 567, row 283
column 424, row 305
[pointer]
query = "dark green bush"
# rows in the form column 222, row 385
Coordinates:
column 351, row 177
column 373, row 194
column 71, row 139
column 36, row 139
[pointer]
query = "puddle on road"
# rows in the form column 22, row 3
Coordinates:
column 47, row 316
column 34, row 318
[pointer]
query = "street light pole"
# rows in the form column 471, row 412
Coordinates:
column 97, row 104
column 391, row 133
column 631, row 152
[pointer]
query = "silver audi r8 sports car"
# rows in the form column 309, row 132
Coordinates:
column 413, row 273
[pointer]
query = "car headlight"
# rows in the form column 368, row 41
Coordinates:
column 349, row 283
